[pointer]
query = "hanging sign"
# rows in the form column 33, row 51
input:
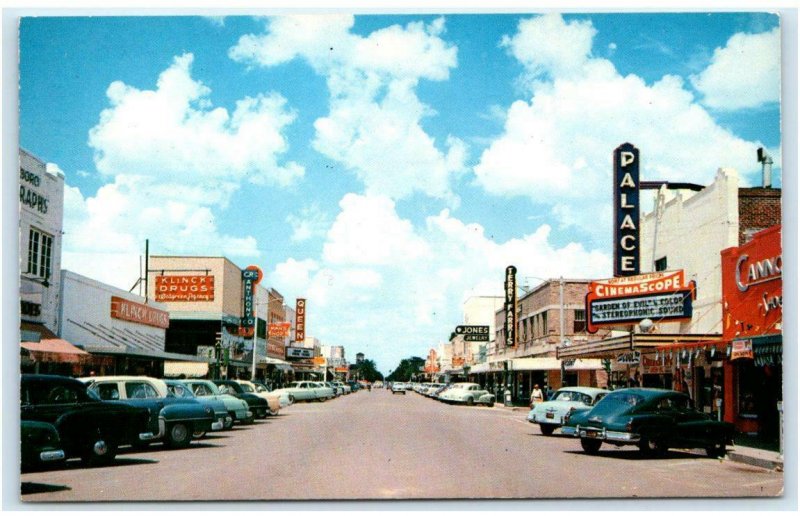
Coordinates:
column 741, row 349
column 280, row 329
column 300, row 320
column 626, row 210
column 510, row 324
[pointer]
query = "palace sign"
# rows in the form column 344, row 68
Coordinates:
column 628, row 300
column 626, row 210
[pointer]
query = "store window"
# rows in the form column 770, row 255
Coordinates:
column 40, row 248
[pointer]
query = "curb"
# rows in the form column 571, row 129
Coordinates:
column 773, row 464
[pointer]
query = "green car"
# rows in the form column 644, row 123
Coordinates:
column 652, row 419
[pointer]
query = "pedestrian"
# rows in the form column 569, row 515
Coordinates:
column 537, row 396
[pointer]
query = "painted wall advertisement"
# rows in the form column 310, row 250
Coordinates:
column 132, row 311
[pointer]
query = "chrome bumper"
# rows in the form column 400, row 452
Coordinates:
column 605, row 435
column 47, row 456
column 219, row 424
column 162, row 429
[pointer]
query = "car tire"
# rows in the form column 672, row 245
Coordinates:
column 716, row 451
column 228, row 426
column 470, row 402
column 652, row 446
column 490, row 404
column 198, row 435
column 273, row 412
column 547, row 429
column 261, row 413
column 100, row 452
column 291, row 400
column 179, row 435
column 591, row 446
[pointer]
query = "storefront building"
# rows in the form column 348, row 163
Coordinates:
column 41, row 209
column 752, row 290
column 122, row 332
column 205, row 297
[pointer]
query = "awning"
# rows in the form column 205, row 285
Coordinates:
column 273, row 361
column 609, row 348
column 35, row 332
column 479, row 368
column 55, row 350
column 185, row 369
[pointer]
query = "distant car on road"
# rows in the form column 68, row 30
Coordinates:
column 273, row 400
column 549, row 415
column 468, row 394
column 652, row 419
column 258, row 405
column 237, row 408
column 307, row 391
column 398, row 388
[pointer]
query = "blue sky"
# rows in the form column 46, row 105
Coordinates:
column 385, row 167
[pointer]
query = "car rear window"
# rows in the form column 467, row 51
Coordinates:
column 621, row 398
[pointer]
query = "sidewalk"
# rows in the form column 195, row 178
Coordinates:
column 766, row 459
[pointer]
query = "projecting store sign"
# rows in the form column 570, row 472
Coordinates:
column 300, row 320
column 510, row 323
column 628, row 300
column 473, row 333
column 626, row 210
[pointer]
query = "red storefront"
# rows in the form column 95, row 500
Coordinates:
column 752, row 290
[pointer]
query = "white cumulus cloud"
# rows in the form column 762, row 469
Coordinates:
column 745, row 73
column 374, row 126
column 170, row 161
column 556, row 148
column 399, row 287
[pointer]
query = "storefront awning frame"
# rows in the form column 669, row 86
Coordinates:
column 609, row 348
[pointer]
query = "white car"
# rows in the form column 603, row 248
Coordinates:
column 274, row 400
column 467, row 393
column 306, row 391
column 398, row 388
column 346, row 389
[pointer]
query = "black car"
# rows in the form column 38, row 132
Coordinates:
column 88, row 427
column 257, row 404
column 41, row 446
column 652, row 419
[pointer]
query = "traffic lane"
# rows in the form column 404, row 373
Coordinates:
column 379, row 445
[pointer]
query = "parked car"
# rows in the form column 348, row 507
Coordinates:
column 549, row 415
column 307, row 391
column 40, row 446
column 433, row 389
column 179, row 389
column 337, row 391
column 469, row 394
column 172, row 420
column 346, row 389
column 398, row 388
column 439, row 390
column 652, row 419
column 88, row 427
column 283, row 398
column 273, row 400
column 237, row 408
column 354, row 386
column 258, row 406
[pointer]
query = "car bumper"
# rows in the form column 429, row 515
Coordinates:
column 607, row 435
column 217, row 425
column 52, row 455
column 541, row 419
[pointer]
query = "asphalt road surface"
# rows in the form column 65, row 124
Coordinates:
column 375, row 445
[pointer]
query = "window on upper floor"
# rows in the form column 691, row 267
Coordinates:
column 579, row 325
column 661, row 264
column 40, row 249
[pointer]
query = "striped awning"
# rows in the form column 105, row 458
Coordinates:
column 185, row 369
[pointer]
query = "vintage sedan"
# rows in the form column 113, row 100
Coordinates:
column 652, row 419
column 179, row 389
column 283, row 398
column 40, row 446
column 238, row 409
column 346, row 389
column 273, row 400
column 306, row 391
column 549, row 415
column 88, row 427
column 173, row 420
column 469, row 394
column 398, row 388
column 258, row 405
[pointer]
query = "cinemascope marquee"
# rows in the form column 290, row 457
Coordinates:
column 628, row 300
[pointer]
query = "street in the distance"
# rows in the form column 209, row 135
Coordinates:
column 375, row 445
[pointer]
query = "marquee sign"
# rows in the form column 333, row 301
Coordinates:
column 628, row 300
column 299, row 353
column 752, row 286
column 626, row 210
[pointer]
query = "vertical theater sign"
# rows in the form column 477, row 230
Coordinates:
column 626, row 210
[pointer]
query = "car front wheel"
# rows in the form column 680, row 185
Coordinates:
column 652, row 446
column 591, row 445
column 470, row 402
column 99, row 453
column 178, row 435
column 548, row 429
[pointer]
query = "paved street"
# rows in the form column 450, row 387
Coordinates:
column 375, row 445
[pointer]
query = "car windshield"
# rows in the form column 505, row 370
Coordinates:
column 246, row 387
column 179, row 391
column 204, row 389
column 621, row 398
column 261, row 388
